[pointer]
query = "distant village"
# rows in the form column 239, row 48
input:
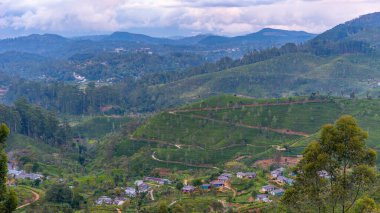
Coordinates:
column 222, row 183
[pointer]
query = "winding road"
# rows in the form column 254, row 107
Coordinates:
column 245, row 105
column 36, row 197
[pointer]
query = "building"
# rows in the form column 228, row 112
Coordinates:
column 217, row 183
column 130, row 192
column 188, row 189
column 277, row 192
column 160, row 181
column 119, row 201
column 206, row 186
column 227, row 175
column 267, row 188
column 324, row 174
column 249, row 175
column 277, row 172
column 286, row 180
column 104, row 200
column 223, row 178
column 262, row 197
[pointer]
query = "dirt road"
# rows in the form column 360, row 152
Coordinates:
column 36, row 197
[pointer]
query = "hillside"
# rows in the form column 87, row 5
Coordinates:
column 205, row 135
column 289, row 74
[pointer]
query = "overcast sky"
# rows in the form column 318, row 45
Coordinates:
column 175, row 17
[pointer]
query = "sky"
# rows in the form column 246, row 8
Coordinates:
column 167, row 18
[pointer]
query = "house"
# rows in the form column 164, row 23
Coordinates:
column 188, row 189
column 277, row 172
column 277, row 192
column 324, row 174
column 240, row 175
column 130, row 192
column 119, row 201
column 160, row 181
column 286, row 180
column 227, row 175
column 262, row 197
column 217, row 183
column 206, row 186
column 267, row 188
column 249, row 175
column 143, row 187
column 139, row 182
column 223, row 178
column 104, row 200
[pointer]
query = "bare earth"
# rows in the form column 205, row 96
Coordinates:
column 285, row 161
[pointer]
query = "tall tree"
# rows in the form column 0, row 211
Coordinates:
column 335, row 170
column 8, row 199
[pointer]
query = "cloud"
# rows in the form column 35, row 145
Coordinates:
column 227, row 17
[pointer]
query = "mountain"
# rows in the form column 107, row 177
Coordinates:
column 365, row 28
column 138, row 38
column 35, row 43
column 268, row 35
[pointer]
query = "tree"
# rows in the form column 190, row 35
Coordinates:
column 364, row 205
column 59, row 193
column 179, row 185
column 342, row 155
column 8, row 198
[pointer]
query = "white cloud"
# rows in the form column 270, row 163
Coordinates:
column 229, row 17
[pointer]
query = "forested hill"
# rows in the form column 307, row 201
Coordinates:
column 328, row 64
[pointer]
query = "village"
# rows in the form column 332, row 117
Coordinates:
column 270, row 186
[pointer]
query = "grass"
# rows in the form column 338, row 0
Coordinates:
column 215, row 137
column 99, row 126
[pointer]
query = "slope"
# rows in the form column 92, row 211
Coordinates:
column 205, row 135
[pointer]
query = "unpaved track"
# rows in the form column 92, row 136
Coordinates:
column 182, row 163
column 36, row 197
column 281, row 131
column 245, row 105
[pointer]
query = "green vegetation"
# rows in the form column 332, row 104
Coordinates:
column 341, row 152
column 8, row 198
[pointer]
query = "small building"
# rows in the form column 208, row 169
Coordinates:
column 217, row 183
column 324, row 174
column 104, row 200
column 206, row 186
column 277, row 192
column 227, row 175
column 130, row 192
column 139, row 182
column 249, row 175
column 261, row 197
column 143, row 187
column 160, row 181
column 277, row 172
column 223, row 178
column 267, row 188
column 119, row 201
column 188, row 189
column 240, row 175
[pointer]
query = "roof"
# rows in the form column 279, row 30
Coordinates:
column 223, row 177
column 227, row 175
column 268, row 187
column 278, row 191
column 188, row 188
column 262, row 195
column 216, row 182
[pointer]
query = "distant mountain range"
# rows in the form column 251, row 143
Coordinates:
column 58, row 46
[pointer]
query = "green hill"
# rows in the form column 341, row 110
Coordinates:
column 223, row 128
column 286, row 75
